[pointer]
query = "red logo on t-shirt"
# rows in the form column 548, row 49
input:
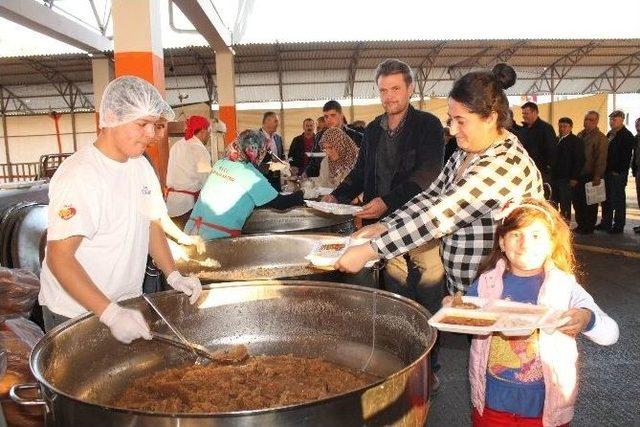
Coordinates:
column 67, row 212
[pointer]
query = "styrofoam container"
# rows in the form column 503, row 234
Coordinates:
column 333, row 208
column 511, row 318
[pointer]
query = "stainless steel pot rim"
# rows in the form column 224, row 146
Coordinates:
column 313, row 283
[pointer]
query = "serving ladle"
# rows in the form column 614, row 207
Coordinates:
column 230, row 355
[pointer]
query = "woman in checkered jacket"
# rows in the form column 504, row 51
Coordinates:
column 490, row 168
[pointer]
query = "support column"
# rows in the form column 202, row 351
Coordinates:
column 73, row 130
column 103, row 73
column 138, row 51
column 5, row 133
column 226, row 84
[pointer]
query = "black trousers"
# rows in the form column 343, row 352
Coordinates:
column 586, row 215
column 561, row 197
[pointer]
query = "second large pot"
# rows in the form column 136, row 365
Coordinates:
column 270, row 256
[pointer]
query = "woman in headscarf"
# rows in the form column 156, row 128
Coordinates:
column 233, row 190
column 342, row 153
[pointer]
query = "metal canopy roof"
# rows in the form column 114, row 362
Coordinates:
column 321, row 71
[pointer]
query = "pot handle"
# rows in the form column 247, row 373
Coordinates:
column 16, row 388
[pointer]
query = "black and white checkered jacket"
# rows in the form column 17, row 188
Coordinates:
column 460, row 213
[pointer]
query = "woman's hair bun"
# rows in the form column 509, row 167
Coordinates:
column 505, row 75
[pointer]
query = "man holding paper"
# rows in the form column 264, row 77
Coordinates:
column 595, row 153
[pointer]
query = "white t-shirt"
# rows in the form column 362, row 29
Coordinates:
column 188, row 168
column 111, row 205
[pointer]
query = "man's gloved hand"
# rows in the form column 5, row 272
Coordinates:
column 190, row 285
column 125, row 324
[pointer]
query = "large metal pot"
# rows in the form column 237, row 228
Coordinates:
column 80, row 367
column 271, row 256
column 297, row 219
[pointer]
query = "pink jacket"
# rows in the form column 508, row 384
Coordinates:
column 558, row 352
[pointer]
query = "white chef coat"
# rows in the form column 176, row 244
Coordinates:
column 188, row 168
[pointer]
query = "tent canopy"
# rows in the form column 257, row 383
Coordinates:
column 320, row 71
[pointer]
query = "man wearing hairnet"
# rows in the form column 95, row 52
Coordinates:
column 104, row 210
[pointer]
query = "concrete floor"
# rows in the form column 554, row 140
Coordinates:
column 609, row 376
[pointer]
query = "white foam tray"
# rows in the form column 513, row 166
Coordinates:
column 511, row 318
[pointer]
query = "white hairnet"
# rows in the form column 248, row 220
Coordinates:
column 129, row 98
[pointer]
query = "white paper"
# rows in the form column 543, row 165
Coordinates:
column 595, row 194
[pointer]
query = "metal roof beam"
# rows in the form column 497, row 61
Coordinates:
column 208, row 23
column 69, row 91
column 425, row 68
column 40, row 18
column 351, row 72
column 19, row 104
column 461, row 68
column 553, row 74
column 207, row 76
column 622, row 69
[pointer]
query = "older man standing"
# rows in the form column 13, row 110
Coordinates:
column 270, row 122
column 595, row 155
column 566, row 166
column 538, row 138
column 301, row 145
column 621, row 143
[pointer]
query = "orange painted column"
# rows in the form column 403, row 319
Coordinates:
column 226, row 85
column 138, row 52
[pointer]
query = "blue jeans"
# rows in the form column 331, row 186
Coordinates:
column 614, row 209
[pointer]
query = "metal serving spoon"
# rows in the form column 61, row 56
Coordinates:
column 204, row 356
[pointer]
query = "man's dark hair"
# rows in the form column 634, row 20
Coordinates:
column 266, row 115
column 566, row 120
column 332, row 105
column 320, row 119
column 530, row 105
column 394, row 66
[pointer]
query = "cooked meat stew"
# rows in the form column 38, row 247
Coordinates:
column 260, row 382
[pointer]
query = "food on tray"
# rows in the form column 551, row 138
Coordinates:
column 468, row 321
column 511, row 322
column 258, row 383
column 459, row 303
column 521, row 309
column 332, row 247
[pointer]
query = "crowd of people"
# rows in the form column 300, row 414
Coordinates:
column 475, row 223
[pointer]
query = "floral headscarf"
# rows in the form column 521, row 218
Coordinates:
column 346, row 148
column 249, row 146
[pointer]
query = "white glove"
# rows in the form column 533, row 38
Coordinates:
column 190, row 285
column 125, row 324
column 195, row 240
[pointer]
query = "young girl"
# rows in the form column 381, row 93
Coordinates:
column 532, row 381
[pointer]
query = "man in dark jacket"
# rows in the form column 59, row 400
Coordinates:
column 333, row 117
column 621, row 143
column 538, row 138
column 302, row 144
column 566, row 167
column 401, row 154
